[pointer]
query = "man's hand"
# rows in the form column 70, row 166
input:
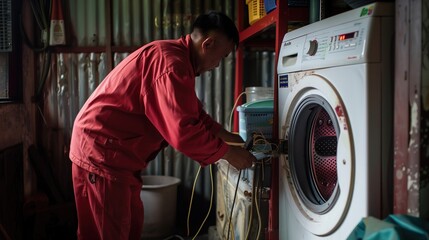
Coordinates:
column 239, row 157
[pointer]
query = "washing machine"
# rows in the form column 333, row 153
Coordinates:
column 335, row 106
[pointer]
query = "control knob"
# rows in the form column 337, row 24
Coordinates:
column 312, row 50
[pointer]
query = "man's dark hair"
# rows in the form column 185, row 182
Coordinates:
column 217, row 21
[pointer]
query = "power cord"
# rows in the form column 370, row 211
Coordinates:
column 233, row 109
column 233, row 203
column 192, row 196
column 239, row 174
column 248, row 146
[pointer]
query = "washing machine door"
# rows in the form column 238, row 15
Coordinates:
column 319, row 167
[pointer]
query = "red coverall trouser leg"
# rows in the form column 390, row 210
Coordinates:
column 106, row 209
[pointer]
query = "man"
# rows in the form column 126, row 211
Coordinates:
column 147, row 102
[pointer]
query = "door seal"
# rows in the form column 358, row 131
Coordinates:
column 283, row 146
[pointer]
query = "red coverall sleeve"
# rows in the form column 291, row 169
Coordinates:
column 174, row 109
column 208, row 121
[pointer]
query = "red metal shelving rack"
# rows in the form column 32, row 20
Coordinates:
column 278, row 19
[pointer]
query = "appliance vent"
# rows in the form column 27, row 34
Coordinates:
column 5, row 25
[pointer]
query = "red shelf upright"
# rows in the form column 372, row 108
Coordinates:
column 278, row 19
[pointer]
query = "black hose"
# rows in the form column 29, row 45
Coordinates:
column 233, row 203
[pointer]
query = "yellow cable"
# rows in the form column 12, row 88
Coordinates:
column 257, row 210
column 192, row 197
column 225, row 203
column 211, row 177
column 233, row 202
column 232, row 110
column 259, row 218
column 211, row 203
column 249, row 226
column 237, row 144
column 230, row 225
column 232, row 231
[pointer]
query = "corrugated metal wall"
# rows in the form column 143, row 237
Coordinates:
column 74, row 76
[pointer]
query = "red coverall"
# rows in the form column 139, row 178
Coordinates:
column 145, row 103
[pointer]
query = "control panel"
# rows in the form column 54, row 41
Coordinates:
column 354, row 37
column 345, row 43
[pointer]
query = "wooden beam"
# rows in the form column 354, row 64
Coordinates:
column 407, row 107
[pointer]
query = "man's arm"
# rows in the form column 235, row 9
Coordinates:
column 237, row 156
column 230, row 138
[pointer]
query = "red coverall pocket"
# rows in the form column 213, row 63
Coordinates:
column 98, row 148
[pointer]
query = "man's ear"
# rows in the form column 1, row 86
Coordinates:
column 208, row 43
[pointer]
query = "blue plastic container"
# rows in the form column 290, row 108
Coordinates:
column 270, row 5
column 256, row 117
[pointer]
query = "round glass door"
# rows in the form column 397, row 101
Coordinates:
column 313, row 142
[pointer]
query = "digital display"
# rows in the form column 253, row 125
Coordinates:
column 346, row 36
